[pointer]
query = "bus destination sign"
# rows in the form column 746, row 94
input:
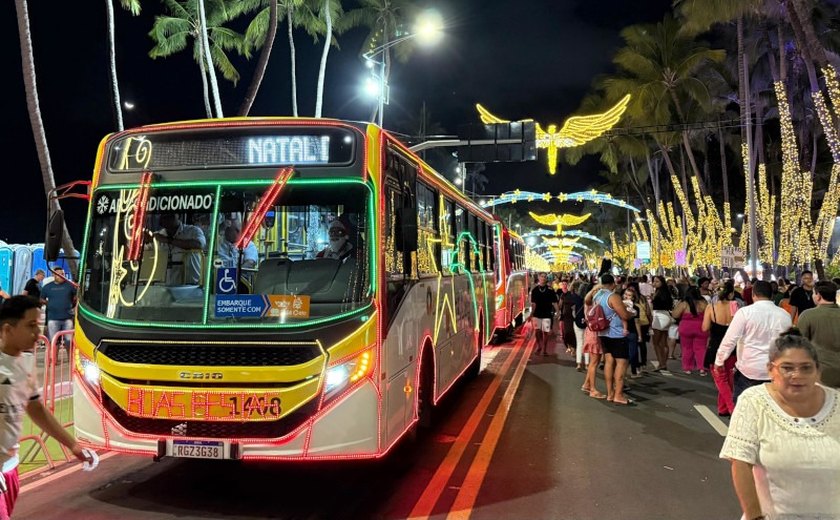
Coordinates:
column 232, row 147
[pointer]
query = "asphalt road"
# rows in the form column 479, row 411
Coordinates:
column 520, row 441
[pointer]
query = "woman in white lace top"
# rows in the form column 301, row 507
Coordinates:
column 784, row 439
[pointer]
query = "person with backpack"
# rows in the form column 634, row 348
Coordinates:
column 607, row 317
column 581, row 358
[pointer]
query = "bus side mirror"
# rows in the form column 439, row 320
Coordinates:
column 406, row 232
column 55, row 234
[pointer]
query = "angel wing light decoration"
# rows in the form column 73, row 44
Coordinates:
column 577, row 130
column 559, row 221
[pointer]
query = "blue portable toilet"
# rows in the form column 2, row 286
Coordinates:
column 38, row 261
column 7, row 256
column 23, row 267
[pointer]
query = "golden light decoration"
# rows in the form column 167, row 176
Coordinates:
column 577, row 130
column 559, row 221
column 535, row 262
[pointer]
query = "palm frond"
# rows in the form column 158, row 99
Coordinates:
column 170, row 36
column 224, row 65
column 257, row 30
column 183, row 10
column 132, row 6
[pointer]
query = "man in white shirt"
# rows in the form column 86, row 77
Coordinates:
column 228, row 253
column 757, row 325
column 182, row 241
column 645, row 288
column 20, row 393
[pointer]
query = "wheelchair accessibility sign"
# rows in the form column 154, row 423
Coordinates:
column 226, row 280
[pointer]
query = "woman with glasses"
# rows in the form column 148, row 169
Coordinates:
column 784, row 439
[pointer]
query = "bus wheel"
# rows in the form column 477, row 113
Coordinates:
column 425, row 393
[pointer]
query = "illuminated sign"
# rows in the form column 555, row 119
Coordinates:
column 107, row 203
column 643, row 250
column 295, row 149
column 232, row 147
column 280, row 306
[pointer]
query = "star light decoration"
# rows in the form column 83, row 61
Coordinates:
column 512, row 197
column 566, row 232
column 577, row 130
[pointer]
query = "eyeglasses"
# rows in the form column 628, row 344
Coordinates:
column 789, row 370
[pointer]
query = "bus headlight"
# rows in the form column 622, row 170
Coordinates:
column 347, row 373
column 88, row 369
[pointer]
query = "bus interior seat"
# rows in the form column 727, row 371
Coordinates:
column 324, row 280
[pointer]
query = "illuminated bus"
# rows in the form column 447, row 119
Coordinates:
column 279, row 289
column 512, row 291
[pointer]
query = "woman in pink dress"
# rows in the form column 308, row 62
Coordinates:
column 693, row 338
column 591, row 346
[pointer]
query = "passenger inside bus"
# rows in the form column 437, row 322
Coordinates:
column 228, row 253
column 185, row 244
column 339, row 246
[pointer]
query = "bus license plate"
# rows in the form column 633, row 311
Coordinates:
column 197, row 449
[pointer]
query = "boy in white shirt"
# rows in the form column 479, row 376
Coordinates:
column 20, row 393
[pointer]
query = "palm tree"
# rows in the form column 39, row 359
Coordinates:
column 386, row 20
column 330, row 11
column 173, row 33
column 660, row 67
column 132, row 6
column 33, row 105
column 260, row 33
column 208, row 60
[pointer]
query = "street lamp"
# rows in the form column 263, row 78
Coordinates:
column 427, row 31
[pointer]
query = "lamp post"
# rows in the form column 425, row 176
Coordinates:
column 428, row 30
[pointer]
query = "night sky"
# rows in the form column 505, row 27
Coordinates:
column 520, row 59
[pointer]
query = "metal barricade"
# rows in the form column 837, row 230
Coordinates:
column 53, row 366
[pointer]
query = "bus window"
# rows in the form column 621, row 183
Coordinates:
column 461, row 227
column 393, row 257
column 472, row 245
column 428, row 249
column 447, row 234
column 485, row 259
column 286, row 255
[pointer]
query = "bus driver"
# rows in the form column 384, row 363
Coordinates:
column 181, row 240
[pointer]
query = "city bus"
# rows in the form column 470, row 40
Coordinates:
column 275, row 289
column 512, row 284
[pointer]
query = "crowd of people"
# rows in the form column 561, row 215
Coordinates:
column 773, row 352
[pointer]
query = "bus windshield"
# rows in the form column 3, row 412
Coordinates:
column 306, row 258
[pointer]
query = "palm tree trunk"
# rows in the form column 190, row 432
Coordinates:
column 34, row 108
column 211, row 70
column 742, row 95
column 290, row 21
column 805, row 20
column 112, row 55
column 322, row 73
column 654, row 177
column 723, row 169
column 687, row 144
column 208, row 109
column 262, row 64
column 802, row 44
